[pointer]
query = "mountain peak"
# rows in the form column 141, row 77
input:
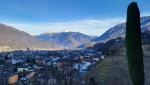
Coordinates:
column 14, row 39
column 119, row 30
column 66, row 39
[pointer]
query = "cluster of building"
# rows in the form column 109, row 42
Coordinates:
column 46, row 67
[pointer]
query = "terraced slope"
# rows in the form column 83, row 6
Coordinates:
column 114, row 71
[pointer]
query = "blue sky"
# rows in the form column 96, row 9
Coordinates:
column 91, row 17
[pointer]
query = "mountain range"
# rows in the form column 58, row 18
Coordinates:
column 115, row 36
column 11, row 38
column 119, row 30
column 66, row 39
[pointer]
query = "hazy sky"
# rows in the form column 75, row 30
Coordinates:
column 91, row 17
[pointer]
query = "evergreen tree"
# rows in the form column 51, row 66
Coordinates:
column 92, row 81
column 134, row 45
column 65, row 82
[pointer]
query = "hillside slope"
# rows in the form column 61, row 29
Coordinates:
column 119, row 30
column 113, row 70
column 11, row 38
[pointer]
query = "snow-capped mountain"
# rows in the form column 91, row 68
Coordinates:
column 119, row 30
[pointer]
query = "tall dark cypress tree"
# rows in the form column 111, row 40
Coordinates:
column 92, row 81
column 134, row 45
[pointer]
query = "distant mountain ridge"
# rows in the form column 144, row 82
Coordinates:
column 114, row 38
column 11, row 38
column 66, row 39
column 119, row 30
